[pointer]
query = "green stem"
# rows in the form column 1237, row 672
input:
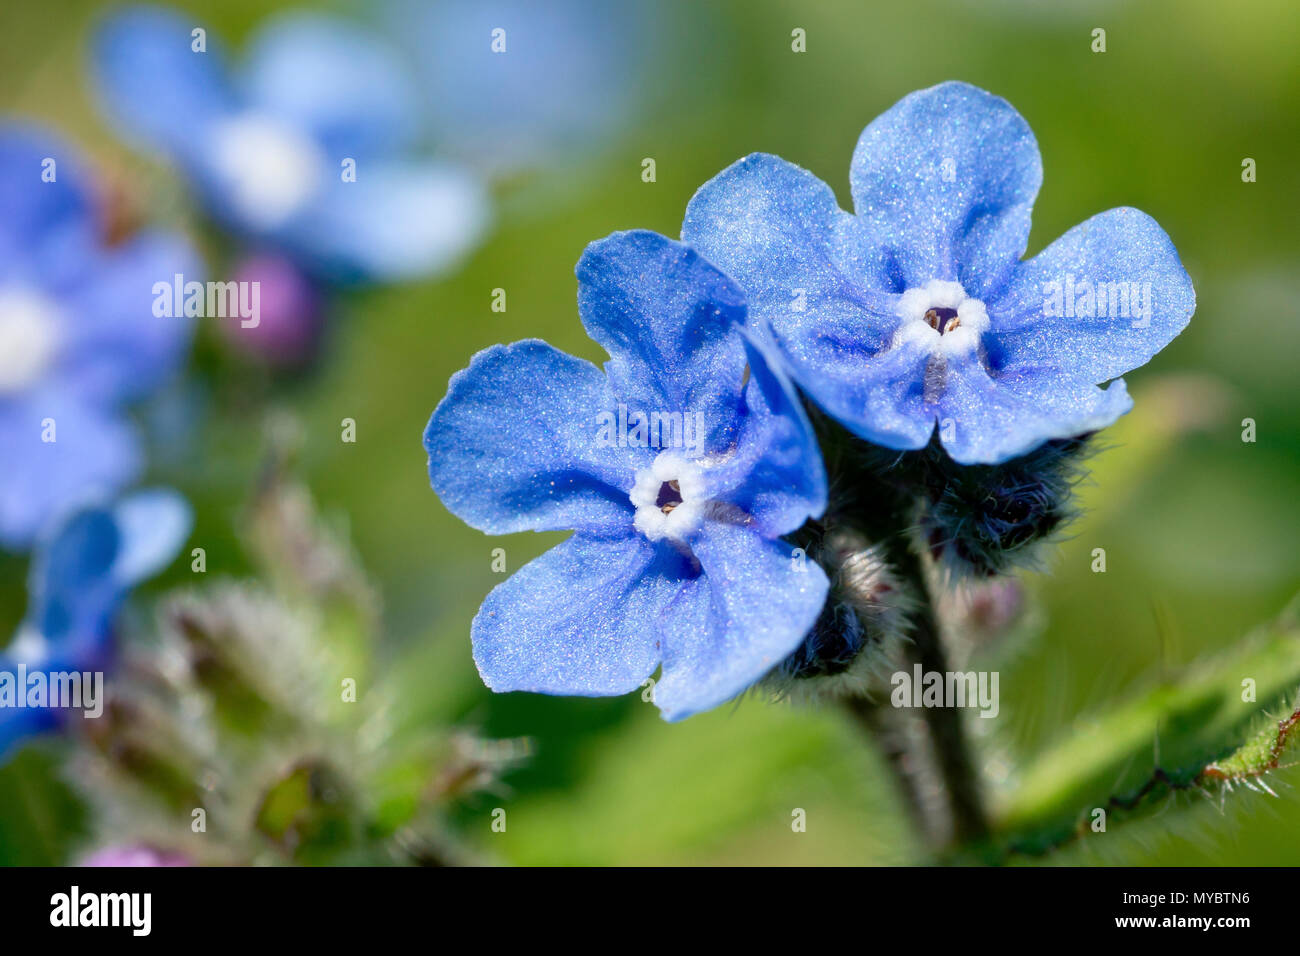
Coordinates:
column 928, row 752
column 951, row 750
column 895, row 736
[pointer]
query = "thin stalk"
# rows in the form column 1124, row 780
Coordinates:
column 928, row 753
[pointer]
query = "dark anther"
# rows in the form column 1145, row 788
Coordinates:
column 670, row 496
column 942, row 320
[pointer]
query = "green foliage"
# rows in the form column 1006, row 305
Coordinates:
column 1186, row 733
column 244, row 728
column 1193, row 521
column 1263, row 752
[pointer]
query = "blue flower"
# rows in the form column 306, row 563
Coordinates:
column 78, row 579
column 78, row 336
column 679, row 467
column 533, row 83
column 918, row 309
column 311, row 148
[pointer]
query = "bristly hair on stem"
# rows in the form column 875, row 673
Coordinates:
column 899, row 525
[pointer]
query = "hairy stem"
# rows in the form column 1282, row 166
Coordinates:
column 948, row 737
column 896, row 736
column 928, row 751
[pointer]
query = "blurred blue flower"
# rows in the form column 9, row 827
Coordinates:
column 78, row 336
column 79, row 577
column 679, row 467
column 312, row 147
column 918, row 309
column 511, row 83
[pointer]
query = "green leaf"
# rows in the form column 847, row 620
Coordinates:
column 1204, row 728
column 1262, row 753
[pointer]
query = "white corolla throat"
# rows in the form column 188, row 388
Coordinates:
column 669, row 498
column 29, row 646
column 270, row 168
column 29, row 337
column 940, row 316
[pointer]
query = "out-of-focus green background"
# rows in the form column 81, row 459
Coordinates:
column 1200, row 528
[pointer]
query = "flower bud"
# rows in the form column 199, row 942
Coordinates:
column 287, row 328
column 850, row 649
column 135, row 856
column 984, row 520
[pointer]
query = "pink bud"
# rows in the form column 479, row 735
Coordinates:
column 284, row 328
column 135, row 856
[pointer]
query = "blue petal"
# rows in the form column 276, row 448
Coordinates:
column 73, row 591
column 396, row 221
column 944, row 183
column 750, row 608
column 43, row 225
column 567, row 77
column 985, row 420
column 775, row 473
column 118, row 349
column 153, row 525
column 1118, row 246
column 514, row 445
column 329, row 77
column 669, row 321
column 95, row 453
column 17, row 725
column 154, row 84
column 78, row 578
column 580, row 619
column 776, row 230
column 887, row 402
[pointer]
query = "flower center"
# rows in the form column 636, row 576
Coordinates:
column 29, row 646
column 669, row 498
column 269, row 168
column 942, row 320
column 940, row 316
column 29, row 337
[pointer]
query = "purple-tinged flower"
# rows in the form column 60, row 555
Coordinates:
column 679, row 467
column 135, row 856
column 312, row 147
column 290, row 316
column 79, row 577
column 78, row 336
column 917, row 309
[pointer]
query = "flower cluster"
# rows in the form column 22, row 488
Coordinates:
column 311, row 147
column 79, row 340
column 322, row 159
column 952, row 386
column 320, row 155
